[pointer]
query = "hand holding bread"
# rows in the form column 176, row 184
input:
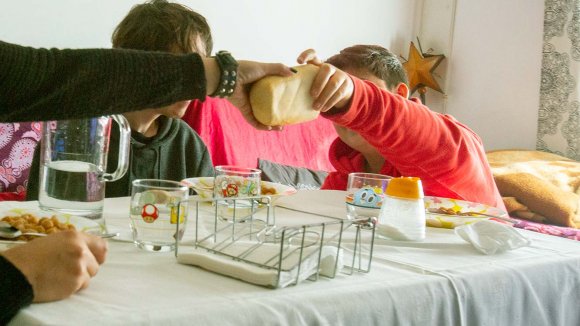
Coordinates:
column 269, row 95
column 248, row 73
column 279, row 101
column 332, row 88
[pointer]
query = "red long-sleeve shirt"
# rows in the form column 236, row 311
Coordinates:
column 415, row 141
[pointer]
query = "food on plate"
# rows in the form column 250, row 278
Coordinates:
column 204, row 187
column 31, row 223
column 279, row 101
column 443, row 210
column 266, row 190
column 451, row 211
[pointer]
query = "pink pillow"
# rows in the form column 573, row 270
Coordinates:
column 233, row 141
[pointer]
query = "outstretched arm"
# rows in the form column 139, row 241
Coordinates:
column 332, row 88
column 53, row 84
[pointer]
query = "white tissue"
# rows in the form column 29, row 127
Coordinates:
column 330, row 257
column 490, row 237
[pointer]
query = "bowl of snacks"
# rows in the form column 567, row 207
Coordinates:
column 18, row 224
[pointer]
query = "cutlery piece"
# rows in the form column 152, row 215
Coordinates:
column 437, row 211
column 7, row 231
column 107, row 235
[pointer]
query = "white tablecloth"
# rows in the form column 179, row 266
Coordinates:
column 441, row 281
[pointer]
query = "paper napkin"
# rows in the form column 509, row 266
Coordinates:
column 265, row 253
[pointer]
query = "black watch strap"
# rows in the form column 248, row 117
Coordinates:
column 228, row 74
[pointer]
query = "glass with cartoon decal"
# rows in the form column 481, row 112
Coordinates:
column 234, row 188
column 156, row 206
column 364, row 194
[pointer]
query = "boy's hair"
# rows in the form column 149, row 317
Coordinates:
column 158, row 25
column 376, row 59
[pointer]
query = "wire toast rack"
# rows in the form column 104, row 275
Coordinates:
column 253, row 240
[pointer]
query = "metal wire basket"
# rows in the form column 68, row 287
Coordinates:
column 254, row 240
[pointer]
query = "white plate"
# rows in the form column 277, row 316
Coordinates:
column 204, row 187
column 80, row 223
column 458, row 206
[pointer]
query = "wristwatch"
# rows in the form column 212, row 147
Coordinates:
column 228, row 74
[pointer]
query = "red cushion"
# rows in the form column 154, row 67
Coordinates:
column 232, row 141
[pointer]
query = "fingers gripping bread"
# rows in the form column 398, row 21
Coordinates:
column 278, row 101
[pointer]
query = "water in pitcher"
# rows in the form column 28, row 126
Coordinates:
column 73, row 187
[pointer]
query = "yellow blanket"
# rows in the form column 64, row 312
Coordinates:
column 538, row 186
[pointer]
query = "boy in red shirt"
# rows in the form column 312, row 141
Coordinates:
column 382, row 131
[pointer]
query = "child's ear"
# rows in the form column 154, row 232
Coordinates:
column 403, row 90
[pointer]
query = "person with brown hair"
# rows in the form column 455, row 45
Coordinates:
column 364, row 91
column 158, row 135
column 51, row 84
column 159, row 25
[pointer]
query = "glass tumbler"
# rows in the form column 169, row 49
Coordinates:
column 233, row 187
column 365, row 193
column 156, row 206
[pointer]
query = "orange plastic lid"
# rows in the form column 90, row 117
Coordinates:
column 405, row 187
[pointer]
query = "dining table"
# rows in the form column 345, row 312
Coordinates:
column 442, row 280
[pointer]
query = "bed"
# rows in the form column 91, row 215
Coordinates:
column 541, row 190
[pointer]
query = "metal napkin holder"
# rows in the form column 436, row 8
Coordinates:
column 250, row 240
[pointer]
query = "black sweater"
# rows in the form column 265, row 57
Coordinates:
column 43, row 84
column 175, row 153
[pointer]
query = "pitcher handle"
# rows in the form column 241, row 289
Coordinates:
column 124, row 148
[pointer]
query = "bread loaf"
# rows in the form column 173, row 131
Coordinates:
column 279, row 101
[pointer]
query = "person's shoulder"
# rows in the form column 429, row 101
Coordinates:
column 183, row 127
column 180, row 123
column 184, row 131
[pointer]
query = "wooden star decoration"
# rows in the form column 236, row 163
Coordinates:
column 420, row 68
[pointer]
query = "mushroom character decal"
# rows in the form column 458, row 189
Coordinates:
column 149, row 213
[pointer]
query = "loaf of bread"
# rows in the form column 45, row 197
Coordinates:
column 279, row 101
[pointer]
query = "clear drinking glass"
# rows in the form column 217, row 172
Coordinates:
column 232, row 187
column 364, row 194
column 156, row 206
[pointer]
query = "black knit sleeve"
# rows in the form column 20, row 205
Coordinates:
column 15, row 291
column 52, row 84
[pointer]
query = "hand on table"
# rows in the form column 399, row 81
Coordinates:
column 60, row 264
column 332, row 87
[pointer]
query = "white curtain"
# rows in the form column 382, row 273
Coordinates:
column 559, row 115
